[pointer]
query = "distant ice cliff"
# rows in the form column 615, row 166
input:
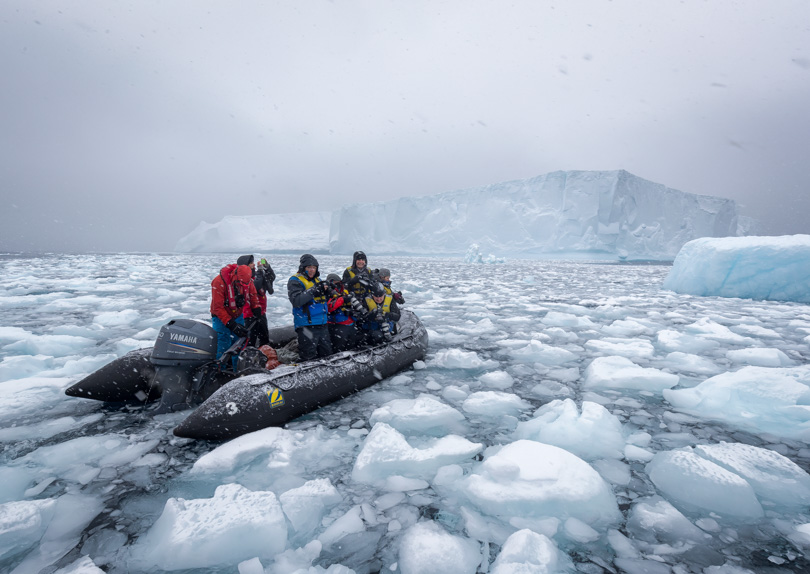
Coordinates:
column 278, row 232
column 610, row 214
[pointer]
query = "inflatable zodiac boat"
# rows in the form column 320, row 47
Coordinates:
column 180, row 373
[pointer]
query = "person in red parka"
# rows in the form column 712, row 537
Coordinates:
column 231, row 291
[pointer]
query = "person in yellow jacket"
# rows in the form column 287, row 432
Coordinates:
column 385, row 278
column 383, row 313
column 357, row 278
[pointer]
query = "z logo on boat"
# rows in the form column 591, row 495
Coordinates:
column 275, row 397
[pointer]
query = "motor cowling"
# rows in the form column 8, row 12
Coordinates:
column 183, row 342
column 182, row 347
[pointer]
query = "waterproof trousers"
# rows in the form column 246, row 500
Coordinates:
column 313, row 341
column 344, row 337
column 225, row 338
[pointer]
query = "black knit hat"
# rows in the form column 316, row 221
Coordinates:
column 307, row 260
column 358, row 255
column 245, row 260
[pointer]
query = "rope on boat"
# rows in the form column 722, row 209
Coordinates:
column 289, row 381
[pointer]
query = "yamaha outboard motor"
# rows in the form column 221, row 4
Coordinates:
column 182, row 347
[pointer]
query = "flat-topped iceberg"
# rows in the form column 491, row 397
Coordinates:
column 559, row 213
column 771, row 268
column 580, row 214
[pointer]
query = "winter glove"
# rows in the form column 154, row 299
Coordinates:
column 237, row 328
column 399, row 298
column 257, row 312
column 316, row 290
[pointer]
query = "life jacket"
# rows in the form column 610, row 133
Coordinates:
column 228, row 298
column 343, row 314
column 359, row 289
column 314, row 313
column 372, row 324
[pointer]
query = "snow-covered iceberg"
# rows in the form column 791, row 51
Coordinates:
column 591, row 214
column 612, row 213
column 278, row 232
column 771, row 268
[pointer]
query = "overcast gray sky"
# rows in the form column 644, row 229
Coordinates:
column 124, row 124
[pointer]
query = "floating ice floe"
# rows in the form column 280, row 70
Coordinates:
column 689, row 363
column 117, row 318
column 760, row 357
column 622, row 373
column 590, row 434
column 775, row 268
column 305, row 506
column 422, row 415
column 530, row 552
column 530, row 480
column 622, row 347
column 628, row 328
column 773, row 477
column 699, row 485
column 474, row 255
column 234, row 525
column 386, row 453
column 50, row 345
column 497, row 380
column 656, row 521
column 730, row 479
column 567, row 320
column 708, row 329
column 538, row 352
column 494, row 404
column 22, row 523
column 459, row 359
column 755, row 398
column 427, row 548
column 675, row 341
column 55, row 527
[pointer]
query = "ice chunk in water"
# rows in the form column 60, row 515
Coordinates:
column 594, row 433
column 757, row 398
column 72, row 514
column 497, row 380
column 426, row 548
column 528, row 479
column 385, row 452
column 423, row 415
column 655, row 520
column 773, row 476
column 693, row 482
column 458, row 359
column 306, row 505
column 622, row 373
column 760, row 357
column 527, row 551
column 22, row 523
column 83, row 565
column 235, row 525
column 537, row 352
column 494, row 404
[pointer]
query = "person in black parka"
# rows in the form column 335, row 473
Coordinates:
column 357, row 278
